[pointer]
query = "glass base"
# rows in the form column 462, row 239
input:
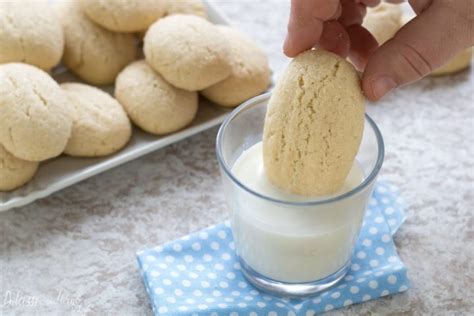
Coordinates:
column 292, row 289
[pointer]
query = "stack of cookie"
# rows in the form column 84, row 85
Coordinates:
column 98, row 41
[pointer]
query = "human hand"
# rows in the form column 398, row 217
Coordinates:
column 441, row 29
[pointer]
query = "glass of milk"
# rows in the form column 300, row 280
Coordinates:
column 291, row 245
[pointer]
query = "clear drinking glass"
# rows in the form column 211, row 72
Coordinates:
column 278, row 251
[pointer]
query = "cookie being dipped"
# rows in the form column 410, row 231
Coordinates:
column 314, row 125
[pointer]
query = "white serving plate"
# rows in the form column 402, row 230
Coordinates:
column 62, row 172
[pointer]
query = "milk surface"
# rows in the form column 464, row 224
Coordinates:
column 293, row 243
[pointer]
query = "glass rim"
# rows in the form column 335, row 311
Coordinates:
column 228, row 169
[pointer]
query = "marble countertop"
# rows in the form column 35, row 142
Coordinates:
column 74, row 252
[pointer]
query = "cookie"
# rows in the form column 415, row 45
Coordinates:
column 30, row 32
column 35, row 117
column 124, row 15
column 14, row 172
column 93, row 53
column 188, row 51
column 314, row 125
column 194, row 7
column 383, row 21
column 250, row 73
column 152, row 103
column 100, row 125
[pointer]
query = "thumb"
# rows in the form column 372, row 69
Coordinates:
column 424, row 44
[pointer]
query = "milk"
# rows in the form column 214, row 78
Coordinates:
column 292, row 243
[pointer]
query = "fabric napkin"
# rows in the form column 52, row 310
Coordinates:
column 199, row 273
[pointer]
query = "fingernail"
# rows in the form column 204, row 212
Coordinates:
column 382, row 85
column 357, row 61
column 286, row 44
column 288, row 48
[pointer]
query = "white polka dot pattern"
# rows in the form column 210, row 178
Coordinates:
column 199, row 274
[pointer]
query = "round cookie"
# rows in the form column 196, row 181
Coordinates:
column 383, row 21
column 35, row 117
column 188, row 51
column 250, row 74
column 91, row 52
column 124, row 15
column 194, row 7
column 100, row 125
column 30, row 32
column 152, row 103
column 14, row 172
column 314, row 125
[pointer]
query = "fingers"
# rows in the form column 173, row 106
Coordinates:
column 335, row 39
column 369, row 3
column 420, row 5
column 363, row 44
column 419, row 47
column 352, row 13
column 306, row 23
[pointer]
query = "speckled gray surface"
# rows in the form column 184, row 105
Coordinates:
column 73, row 253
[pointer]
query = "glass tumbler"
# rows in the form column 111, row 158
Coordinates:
column 286, row 247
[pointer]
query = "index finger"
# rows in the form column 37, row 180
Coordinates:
column 306, row 23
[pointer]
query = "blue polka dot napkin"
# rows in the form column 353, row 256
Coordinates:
column 199, row 274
